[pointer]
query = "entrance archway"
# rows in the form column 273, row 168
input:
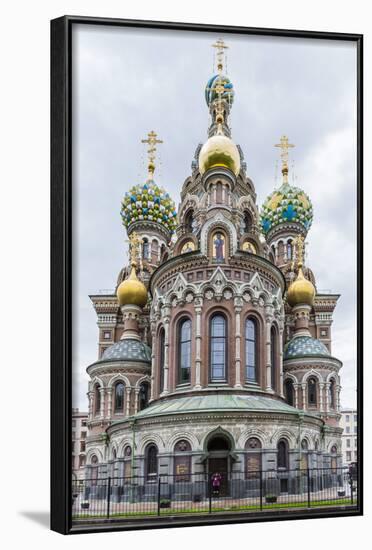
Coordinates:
column 219, row 447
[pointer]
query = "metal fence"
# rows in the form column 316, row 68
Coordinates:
column 160, row 495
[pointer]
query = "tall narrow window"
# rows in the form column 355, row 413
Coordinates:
column 218, row 348
column 331, row 396
column 282, row 454
column 289, row 392
column 161, row 359
column 97, row 399
column 251, row 350
column 289, row 250
column 143, row 398
column 154, row 251
column 184, row 351
column 145, row 249
column 273, row 349
column 119, row 397
column 311, row 392
column 151, row 462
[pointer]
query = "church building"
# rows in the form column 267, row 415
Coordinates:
column 215, row 351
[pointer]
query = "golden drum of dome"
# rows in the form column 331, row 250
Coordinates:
column 132, row 291
column 219, row 150
column 301, row 291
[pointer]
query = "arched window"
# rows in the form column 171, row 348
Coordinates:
column 189, row 218
column 274, row 355
column 289, row 391
column 251, row 350
column 94, row 460
column 219, row 188
column 161, row 359
column 283, row 454
column 119, row 397
column 97, row 399
column 289, row 250
column 143, row 397
column 151, row 462
column 311, row 392
column 247, row 222
column 182, row 460
column 145, row 249
column 331, row 394
column 94, row 470
column 184, row 351
column 218, row 348
column 253, row 458
column 114, row 454
column 154, row 251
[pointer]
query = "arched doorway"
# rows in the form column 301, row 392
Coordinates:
column 219, row 447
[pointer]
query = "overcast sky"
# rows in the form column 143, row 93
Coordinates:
column 128, row 82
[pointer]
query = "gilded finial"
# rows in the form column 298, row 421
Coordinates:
column 300, row 248
column 220, row 47
column 284, row 145
column 151, row 151
column 134, row 248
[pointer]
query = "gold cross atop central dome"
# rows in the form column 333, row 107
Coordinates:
column 284, row 145
column 151, row 151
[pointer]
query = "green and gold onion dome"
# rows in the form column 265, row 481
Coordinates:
column 286, row 204
column 149, row 202
column 213, row 83
column 132, row 291
column 219, row 150
column 301, row 291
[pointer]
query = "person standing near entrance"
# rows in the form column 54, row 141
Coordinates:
column 216, row 483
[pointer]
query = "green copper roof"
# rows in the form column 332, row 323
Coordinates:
column 216, row 403
column 127, row 350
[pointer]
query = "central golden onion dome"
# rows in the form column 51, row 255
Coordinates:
column 132, row 291
column 301, row 291
column 219, row 150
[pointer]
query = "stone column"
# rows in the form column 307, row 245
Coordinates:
column 109, row 402
column 136, row 399
column 281, row 375
column 90, row 397
column 304, row 396
column 296, row 387
column 166, row 354
column 338, row 391
column 102, row 395
column 321, row 391
column 198, row 362
column 327, row 396
column 153, row 359
column 238, row 308
column 127, row 400
column 268, row 353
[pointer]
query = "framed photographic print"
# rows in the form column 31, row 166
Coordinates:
column 206, row 274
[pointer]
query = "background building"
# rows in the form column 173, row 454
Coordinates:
column 349, row 424
column 79, row 436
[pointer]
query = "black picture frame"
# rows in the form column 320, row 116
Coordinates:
column 61, row 270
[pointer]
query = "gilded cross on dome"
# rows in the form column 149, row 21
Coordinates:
column 300, row 246
column 134, row 247
column 220, row 47
column 284, row 145
column 151, row 151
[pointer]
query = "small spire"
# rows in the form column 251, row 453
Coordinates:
column 300, row 250
column 134, row 248
column 284, row 145
column 151, row 151
column 220, row 47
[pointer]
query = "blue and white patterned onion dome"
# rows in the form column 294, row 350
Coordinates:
column 286, row 204
column 127, row 350
column 210, row 89
column 149, row 202
column 305, row 346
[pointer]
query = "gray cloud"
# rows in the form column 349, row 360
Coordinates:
column 129, row 81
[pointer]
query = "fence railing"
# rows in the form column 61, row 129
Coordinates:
column 205, row 493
